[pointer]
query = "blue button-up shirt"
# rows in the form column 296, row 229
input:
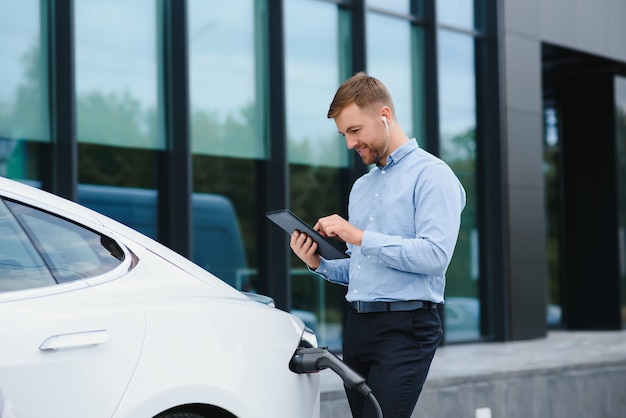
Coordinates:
column 410, row 211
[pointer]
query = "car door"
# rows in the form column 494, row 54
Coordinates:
column 64, row 350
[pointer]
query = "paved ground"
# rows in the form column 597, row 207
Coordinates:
column 560, row 349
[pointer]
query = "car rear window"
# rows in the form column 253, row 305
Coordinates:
column 67, row 250
column 21, row 266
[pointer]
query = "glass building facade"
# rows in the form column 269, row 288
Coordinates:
column 150, row 110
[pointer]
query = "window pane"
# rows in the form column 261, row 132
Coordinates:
column 457, row 92
column 457, row 111
column 225, row 112
column 227, row 136
column 317, row 154
column 400, row 68
column 312, row 73
column 70, row 251
column 24, row 123
column 224, row 215
column 23, row 85
column 116, row 73
column 21, row 267
column 132, row 206
column 456, row 12
column 551, row 170
column 116, row 100
column 314, row 192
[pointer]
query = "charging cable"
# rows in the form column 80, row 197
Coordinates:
column 312, row 360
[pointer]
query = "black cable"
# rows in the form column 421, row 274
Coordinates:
column 375, row 404
column 312, row 360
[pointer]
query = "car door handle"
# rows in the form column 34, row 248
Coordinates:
column 75, row 340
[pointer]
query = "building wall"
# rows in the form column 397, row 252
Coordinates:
column 442, row 63
column 185, row 97
column 594, row 27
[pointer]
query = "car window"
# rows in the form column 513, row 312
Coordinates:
column 21, row 266
column 69, row 251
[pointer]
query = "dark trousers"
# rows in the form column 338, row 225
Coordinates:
column 393, row 351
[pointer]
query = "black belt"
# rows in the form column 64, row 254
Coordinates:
column 408, row 305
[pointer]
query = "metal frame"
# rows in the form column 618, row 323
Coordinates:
column 273, row 174
column 491, row 181
column 431, row 99
column 175, row 190
column 63, row 178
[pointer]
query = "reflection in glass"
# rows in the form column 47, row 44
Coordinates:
column 399, row 67
column 116, row 73
column 316, row 152
column 24, row 122
column 620, row 128
column 224, row 108
column 457, row 110
column 314, row 193
column 312, row 77
column 70, row 251
column 227, row 138
column 456, row 12
column 21, row 266
column 552, row 170
column 457, row 92
column 116, row 107
column 232, row 181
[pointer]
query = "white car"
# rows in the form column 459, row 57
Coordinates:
column 97, row 320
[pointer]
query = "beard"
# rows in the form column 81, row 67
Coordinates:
column 376, row 151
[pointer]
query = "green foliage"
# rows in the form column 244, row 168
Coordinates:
column 459, row 275
column 114, row 119
column 26, row 118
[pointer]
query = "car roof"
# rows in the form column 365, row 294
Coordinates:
column 32, row 195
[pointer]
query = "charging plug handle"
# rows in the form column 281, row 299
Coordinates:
column 312, row 360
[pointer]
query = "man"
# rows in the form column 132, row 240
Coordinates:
column 402, row 227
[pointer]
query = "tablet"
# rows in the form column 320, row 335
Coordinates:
column 290, row 222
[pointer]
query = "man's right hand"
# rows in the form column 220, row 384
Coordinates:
column 305, row 248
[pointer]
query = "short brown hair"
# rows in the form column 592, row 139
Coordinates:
column 362, row 89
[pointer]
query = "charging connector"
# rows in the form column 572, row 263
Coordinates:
column 312, row 360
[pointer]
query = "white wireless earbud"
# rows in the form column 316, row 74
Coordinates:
column 385, row 122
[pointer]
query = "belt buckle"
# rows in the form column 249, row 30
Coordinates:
column 358, row 306
column 363, row 306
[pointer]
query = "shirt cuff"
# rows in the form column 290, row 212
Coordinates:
column 322, row 269
column 371, row 243
column 331, row 270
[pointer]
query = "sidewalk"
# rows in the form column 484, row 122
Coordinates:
column 569, row 374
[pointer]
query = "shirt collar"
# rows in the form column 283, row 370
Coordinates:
column 396, row 156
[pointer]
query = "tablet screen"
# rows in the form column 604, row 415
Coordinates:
column 290, row 222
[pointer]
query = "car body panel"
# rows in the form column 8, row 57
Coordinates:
column 155, row 333
column 33, row 376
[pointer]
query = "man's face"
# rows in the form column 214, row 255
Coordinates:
column 365, row 133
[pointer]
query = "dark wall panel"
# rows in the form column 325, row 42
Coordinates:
column 590, row 283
